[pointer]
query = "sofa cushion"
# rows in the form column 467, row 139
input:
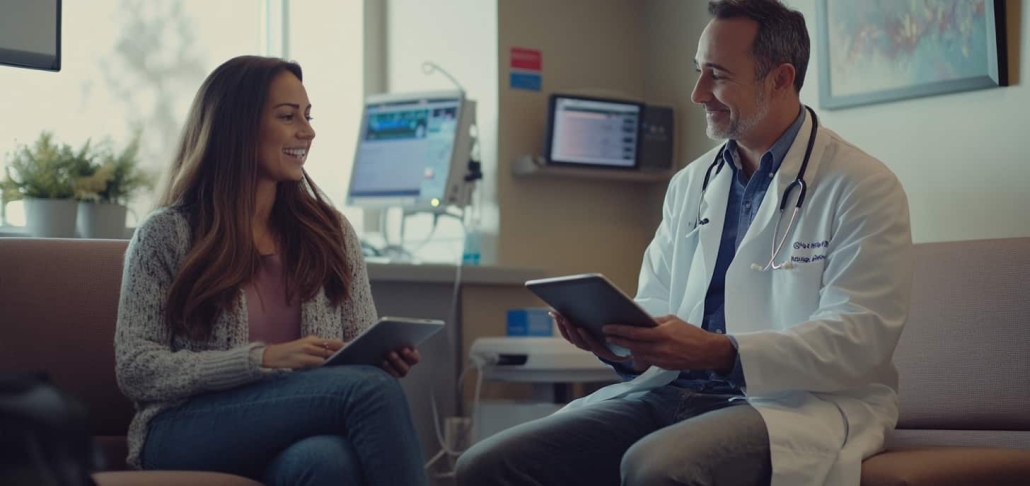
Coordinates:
column 963, row 359
column 60, row 303
column 906, row 438
column 947, row 466
column 170, row 478
column 113, row 450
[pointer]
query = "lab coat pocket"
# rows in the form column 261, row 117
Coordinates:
column 798, row 287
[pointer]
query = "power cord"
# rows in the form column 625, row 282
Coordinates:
column 480, row 364
column 445, row 449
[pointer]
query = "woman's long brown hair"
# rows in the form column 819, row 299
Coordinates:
column 213, row 181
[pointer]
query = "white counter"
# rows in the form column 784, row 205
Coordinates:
column 440, row 273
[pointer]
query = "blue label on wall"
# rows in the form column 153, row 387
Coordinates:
column 526, row 81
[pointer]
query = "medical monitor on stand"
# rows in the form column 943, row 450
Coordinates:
column 413, row 152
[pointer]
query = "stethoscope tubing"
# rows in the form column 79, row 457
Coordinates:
column 798, row 182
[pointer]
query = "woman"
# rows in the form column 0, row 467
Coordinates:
column 242, row 259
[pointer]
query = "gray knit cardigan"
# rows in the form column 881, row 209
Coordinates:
column 158, row 371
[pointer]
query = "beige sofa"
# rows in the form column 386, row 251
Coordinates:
column 58, row 303
column 964, row 361
column 964, row 358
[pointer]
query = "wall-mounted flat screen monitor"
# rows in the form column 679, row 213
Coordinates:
column 593, row 131
column 30, row 34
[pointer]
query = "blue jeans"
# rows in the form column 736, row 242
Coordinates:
column 336, row 425
column 668, row 437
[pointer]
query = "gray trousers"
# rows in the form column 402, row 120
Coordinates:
column 670, row 436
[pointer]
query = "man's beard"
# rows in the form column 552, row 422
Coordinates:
column 739, row 126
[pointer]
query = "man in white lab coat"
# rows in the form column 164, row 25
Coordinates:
column 771, row 363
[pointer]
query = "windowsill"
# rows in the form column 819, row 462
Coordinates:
column 12, row 231
column 9, row 231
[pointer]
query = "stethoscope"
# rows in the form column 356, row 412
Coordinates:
column 799, row 182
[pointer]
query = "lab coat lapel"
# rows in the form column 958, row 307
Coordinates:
column 761, row 228
column 713, row 207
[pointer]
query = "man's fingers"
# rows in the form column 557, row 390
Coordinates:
column 559, row 322
column 598, row 348
column 586, row 341
column 564, row 332
column 641, row 352
column 638, row 348
column 576, row 337
column 632, row 333
column 565, row 329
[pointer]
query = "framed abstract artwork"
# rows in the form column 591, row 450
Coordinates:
column 874, row 51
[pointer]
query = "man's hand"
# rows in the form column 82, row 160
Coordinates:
column 675, row 345
column 582, row 339
column 398, row 363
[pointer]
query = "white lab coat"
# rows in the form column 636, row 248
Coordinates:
column 815, row 341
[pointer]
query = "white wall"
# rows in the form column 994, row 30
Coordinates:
column 962, row 158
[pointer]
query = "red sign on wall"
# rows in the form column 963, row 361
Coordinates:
column 530, row 59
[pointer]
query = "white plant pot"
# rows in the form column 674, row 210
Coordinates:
column 101, row 220
column 50, row 218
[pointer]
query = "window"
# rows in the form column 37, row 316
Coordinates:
column 326, row 38
column 126, row 65
column 129, row 64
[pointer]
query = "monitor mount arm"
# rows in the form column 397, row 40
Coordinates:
column 474, row 166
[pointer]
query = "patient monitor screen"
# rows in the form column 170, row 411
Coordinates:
column 404, row 152
column 594, row 132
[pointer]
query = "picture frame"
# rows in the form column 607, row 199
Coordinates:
column 877, row 51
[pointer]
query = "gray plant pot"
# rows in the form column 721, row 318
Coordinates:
column 50, row 218
column 101, row 220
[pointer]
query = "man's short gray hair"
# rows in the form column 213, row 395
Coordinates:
column 782, row 36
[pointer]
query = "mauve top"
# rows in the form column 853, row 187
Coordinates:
column 272, row 319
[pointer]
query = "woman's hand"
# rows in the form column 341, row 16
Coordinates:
column 303, row 353
column 398, row 363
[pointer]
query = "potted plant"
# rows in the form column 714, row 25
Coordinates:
column 104, row 193
column 44, row 177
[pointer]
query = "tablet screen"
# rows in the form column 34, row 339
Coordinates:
column 590, row 301
column 388, row 334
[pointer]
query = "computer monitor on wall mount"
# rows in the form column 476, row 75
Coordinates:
column 413, row 152
column 30, row 34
